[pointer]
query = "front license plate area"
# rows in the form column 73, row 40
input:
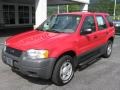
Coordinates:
column 9, row 61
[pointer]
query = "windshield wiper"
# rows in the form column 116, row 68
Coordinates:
column 50, row 30
column 39, row 29
column 53, row 30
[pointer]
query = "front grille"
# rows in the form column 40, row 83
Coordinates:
column 14, row 52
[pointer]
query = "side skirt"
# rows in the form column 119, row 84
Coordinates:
column 90, row 56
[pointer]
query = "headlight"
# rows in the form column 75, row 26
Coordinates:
column 37, row 54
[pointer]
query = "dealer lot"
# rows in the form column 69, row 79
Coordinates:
column 102, row 75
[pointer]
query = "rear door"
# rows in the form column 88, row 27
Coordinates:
column 102, row 30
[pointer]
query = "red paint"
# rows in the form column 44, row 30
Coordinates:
column 59, row 43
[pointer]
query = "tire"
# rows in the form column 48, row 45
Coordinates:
column 63, row 71
column 108, row 49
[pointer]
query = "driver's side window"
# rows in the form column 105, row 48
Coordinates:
column 89, row 23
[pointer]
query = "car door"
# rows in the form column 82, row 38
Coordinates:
column 102, row 30
column 87, row 42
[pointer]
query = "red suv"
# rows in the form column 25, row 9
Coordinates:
column 59, row 45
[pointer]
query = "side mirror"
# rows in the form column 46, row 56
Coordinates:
column 87, row 31
column 46, row 26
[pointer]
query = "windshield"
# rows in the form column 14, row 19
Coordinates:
column 60, row 23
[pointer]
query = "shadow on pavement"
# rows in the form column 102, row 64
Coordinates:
column 80, row 68
column 48, row 82
column 12, row 32
column 38, row 81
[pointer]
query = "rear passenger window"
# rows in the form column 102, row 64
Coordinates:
column 101, row 23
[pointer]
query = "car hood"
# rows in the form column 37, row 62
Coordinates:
column 33, row 40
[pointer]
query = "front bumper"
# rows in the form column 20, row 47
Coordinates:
column 35, row 68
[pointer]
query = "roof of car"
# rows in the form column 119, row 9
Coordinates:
column 82, row 13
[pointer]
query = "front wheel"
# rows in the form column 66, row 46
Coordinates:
column 108, row 49
column 63, row 71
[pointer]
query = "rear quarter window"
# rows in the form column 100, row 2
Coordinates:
column 109, row 19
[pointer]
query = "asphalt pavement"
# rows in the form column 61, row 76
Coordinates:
column 101, row 75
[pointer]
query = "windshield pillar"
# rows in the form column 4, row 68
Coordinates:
column 40, row 12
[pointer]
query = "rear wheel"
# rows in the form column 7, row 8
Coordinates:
column 108, row 49
column 64, row 71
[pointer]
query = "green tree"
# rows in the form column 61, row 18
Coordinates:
column 74, row 7
column 102, row 6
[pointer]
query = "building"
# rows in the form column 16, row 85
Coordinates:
column 17, row 13
column 22, row 13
